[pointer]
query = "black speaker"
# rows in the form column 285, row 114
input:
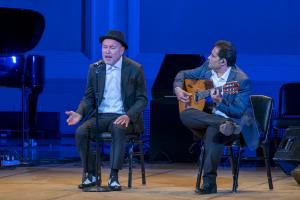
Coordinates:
column 287, row 156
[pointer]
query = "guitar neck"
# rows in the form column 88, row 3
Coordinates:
column 205, row 93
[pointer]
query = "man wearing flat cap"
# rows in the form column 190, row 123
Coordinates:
column 122, row 98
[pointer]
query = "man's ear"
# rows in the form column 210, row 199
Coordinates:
column 223, row 61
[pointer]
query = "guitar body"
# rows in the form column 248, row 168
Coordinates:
column 194, row 86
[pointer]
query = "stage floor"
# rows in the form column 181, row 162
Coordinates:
column 164, row 181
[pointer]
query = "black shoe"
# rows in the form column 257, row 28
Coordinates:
column 207, row 189
column 113, row 184
column 88, row 182
column 228, row 128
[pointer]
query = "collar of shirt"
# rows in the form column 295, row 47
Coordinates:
column 223, row 78
column 118, row 65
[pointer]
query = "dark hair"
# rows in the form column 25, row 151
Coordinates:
column 227, row 51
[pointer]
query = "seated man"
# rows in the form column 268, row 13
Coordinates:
column 230, row 112
column 122, row 99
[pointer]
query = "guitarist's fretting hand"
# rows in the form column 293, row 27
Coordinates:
column 216, row 95
column 182, row 95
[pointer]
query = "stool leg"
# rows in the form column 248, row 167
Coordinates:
column 266, row 150
column 130, row 164
column 237, row 168
column 141, row 145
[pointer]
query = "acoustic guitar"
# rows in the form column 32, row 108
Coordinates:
column 200, row 89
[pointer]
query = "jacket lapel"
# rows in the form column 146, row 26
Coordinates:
column 231, row 74
column 230, row 78
column 207, row 75
column 124, row 77
column 101, row 80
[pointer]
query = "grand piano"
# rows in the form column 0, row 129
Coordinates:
column 21, row 30
column 169, row 139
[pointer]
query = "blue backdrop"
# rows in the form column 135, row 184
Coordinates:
column 266, row 34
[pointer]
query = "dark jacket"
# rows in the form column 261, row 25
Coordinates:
column 133, row 89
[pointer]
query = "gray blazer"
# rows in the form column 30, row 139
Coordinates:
column 236, row 106
column 133, row 89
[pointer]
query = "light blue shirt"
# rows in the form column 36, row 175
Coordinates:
column 220, row 81
column 112, row 98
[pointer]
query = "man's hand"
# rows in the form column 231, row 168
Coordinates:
column 122, row 120
column 216, row 96
column 73, row 118
column 182, row 95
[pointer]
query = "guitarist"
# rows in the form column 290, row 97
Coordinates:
column 231, row 113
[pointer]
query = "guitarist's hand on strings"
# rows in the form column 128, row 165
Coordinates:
column 182, row 95
column 216, row 95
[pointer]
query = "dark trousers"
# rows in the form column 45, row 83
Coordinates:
column 206, row 126
column 86, row 131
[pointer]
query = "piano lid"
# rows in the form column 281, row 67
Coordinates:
column 171, row 65
column 21, row 30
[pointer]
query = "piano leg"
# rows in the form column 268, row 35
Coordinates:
column 31, row 113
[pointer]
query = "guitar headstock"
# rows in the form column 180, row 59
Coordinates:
column 231, row 87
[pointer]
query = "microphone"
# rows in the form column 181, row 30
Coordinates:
column 99, row 63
